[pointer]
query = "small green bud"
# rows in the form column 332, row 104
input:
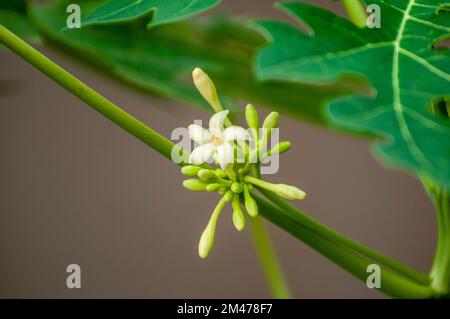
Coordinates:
column 222, row 190
column 270, row 123
column 280, row 148
column 190, row 170
column 238, row 214
column 250, row 204
column 271, row 120
column 251, row 115
column 213, row 187
column 207, row 175
column 289, row 192
column 206, row 242
column 206, row 88
column 228, row 196
column 194, row 184
column 236, row 187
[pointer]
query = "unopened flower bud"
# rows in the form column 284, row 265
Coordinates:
column 207, row 238
column 250, row 204
column 289, row 192
column 194, row 184
column 207, row 175
column 271, row 121
column 280, row 148
column 238, row 214
column 251, row 115
column 213, row 187
column 206, row 88
column 190, row 170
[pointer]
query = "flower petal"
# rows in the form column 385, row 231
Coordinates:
column 216, row 122
column 225, row 155
column 199, row 134
column 233, row 133
column 201, row 153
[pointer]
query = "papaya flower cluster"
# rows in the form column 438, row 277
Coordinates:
column 235, row 176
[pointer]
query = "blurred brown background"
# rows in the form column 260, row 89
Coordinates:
column 74, row 188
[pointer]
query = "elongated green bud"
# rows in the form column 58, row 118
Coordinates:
column 213, row 187
column 250, row 204
column 207, row 238
column 271, row 120
column 252, row 117
column 238, row 214
column 207, row 175
column 207, row 88
column 286, row 191
column 194, row 184
column 270, row 123
column 289, row 192
column 280, row 148
column 191, row 170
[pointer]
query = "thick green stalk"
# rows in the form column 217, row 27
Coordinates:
column 350, row 255
column 440, row 270
column 356, row 12
column 392, row 283
column 86, row 94
column 344, row 241
column 267, row 255
column 269, row 260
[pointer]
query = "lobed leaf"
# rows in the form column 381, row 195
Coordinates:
column 162, row 60
column 407, row 73
column 163, row 11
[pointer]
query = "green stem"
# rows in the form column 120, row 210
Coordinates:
column 392, row 283
column 269, row 260
column 397, row 279
column 86, row 94
column 356, row 12
column 343, row 241
column 268, row 257
column 440, row 270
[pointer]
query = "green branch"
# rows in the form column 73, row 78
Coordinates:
column 269, row 260
column 392, row 283
column 397, row 279
column 440, row 270
column 95, row 100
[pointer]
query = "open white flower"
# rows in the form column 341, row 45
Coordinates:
column 216, row 142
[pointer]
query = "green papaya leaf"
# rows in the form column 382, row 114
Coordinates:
column 163, row 11
column 407, row 74
column 162, row 60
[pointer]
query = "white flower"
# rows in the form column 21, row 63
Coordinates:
column 216, row 141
